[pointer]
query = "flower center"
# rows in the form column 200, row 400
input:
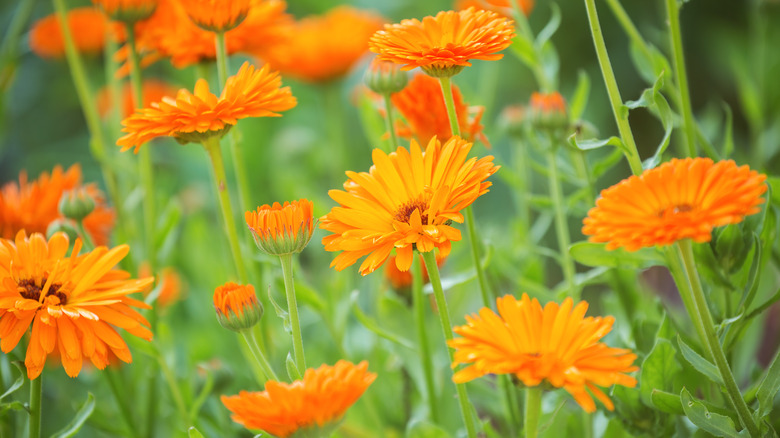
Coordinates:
column 405, row 211
column 30, row 290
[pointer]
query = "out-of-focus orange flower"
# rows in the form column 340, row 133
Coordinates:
column 678, row 200
column 217, row 15
column 314, row 404
column 87, row 26
column 548, row 110
column 556, row 344
column 127, row 11
column 385, row 77
column 237, row 306
column 73, row 303
column 503, row 7
column 401, row 281
column 324, row 48
column 421, row 103
column 169, row 285
column 34, row 205
column 196, row 117
column 444, row 44
column 282, row 229
column 153, row 91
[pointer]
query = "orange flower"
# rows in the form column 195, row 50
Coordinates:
column 406, row 201
column 444, row 44
column 237, row 306
column 401, row 281
column 282, row 229
column 323, row 48
column 421, row 103
column 127, row 11
column 196, row 117
column 170, row 286
column 314, row 404
column 33, row 206
column 217, row 15
column 548, row 110
column 557, row 345
column 73, row 303
column 680, row 199
column 87, row 26
column 153, row 91
column 503, row 7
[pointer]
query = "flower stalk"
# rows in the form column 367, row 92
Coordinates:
column 36, row 394
column 673, row 16
column 292, row 308
column 561, row 224
column 265, row 366
column 533, row 409
column 418, row 302
column 389, row 121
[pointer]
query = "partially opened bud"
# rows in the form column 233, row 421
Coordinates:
column 127, row 11
column 237, row 306
column 385, row 77
column 282, row 229
column 76, row 204
column 548, row 111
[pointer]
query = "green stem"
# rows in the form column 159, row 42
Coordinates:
column 220, row 183
column 561, row 223
column 88, row 245
column 173, row 385
column 545, row 84
column 418, row 301
column 390, row 123
column 9, row 47
column 121, row 400
column 712, row 345
column 36, row 393
column 292, row 308
column 449, row 103
column 222, row 58
column 533, row 410
column 251, row 342
column 446, row 325
column 618, row 109
column 680, row 279
column 510, row 403
column 673, row 14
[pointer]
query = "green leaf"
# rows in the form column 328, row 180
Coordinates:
column 280, row 312
column 728, row 132
column 656, row 103
column 373, row 124
column 580, row 98
column 603, row 165
column 17, row 383
column 13, row 406
column 292, row 368
column 549, row 29
column 658, row 370
column 667, row 402
column 523, row 48
column 597, row 255
column 194, row 433
column 650, row 63
column 701, row 364
column 587, row 145
column 769, row 387
column 424, row 429
column 81, row 416
column 716, row 424
column 374, row 327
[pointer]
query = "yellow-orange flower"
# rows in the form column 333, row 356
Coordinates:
column 127, row 11
column 401, row 281
column 73, row 303
column 322, row 48
column 555, row 344
column 217, row 15
column 444, row 44
column 315, row 403
column 169, row 286
column 406, row 201
column 153, row 91
column 237, row 306
column 195, row 117
column 282, row 229
column 33, row 205
column 680, row 199
column 87, row 26
column 503, row 7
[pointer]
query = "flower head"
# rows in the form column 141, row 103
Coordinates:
column 34, row 205
column 314, row 404
column 127, row 11
column 73, row 303
column 153, row 91
column 169, row 287
column 444, row 44
column 406, row 201
column 556, row 344
column 217, row 15
column 548, row 111
column 385, row 77
column 237, row 306
column 196, row 117
column 87, row 26
column 282, row 229
column 680, row 199
column 322, row 48
column 502, row 7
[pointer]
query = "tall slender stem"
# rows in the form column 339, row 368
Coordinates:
column 292, row 308
column 533, row 409
column 265, row 366
column 220, row 183
column 36, row 393
column 618, row 109
column 673, row 14
column 9, row 46
column 121, row 400
column 449, row 103
column 85, row 237
column 418, row 301
column 446, row 325
column 389, row 121
column 545, row 84
column 561, row 222
column 686, row 259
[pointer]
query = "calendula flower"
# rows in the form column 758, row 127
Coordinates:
column 310, row 407
column 421, row 104
column 153, row 90
column 34, row 205
column 127, row 11
column 72, row 302
column 322, row 48
column 401, row 281
column 444, row 44
column 199, row 116
column 406, row 201
column 217, row 15
column 237, row 306
column 169, row 287
column 678, row 200
column 502, row 7
column 87, row 26
column 556, row 344
column 282, row 229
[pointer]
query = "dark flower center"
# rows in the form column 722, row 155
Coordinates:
column 28, row 289
column 405, row 211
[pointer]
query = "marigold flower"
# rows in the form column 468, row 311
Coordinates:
column 322, row 48
column 217, row 15
column 169, row 286
column 401, row 281
column 502, row 7
column 34, row 205
column 282, row 229
column 153, row 91
column 556, row 344
column 127, row 11
column 87, row 26
column 237, row 306
column 73, row 303
column 680, row 199
column 313, row 405
column 444, row 44
column 406, row 201
column 196, row 117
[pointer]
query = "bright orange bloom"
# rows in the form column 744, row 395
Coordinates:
column 34, row 205
column 87, row 26
column 127, row 11
column 421, row 103
column 282, row 229
column 503, row 7
column 73, row 303
column 237, row 306
column 217, row 15
column 444, row 44
column 153, row 91
column 680, row 199
column 195, row 117
column 557, row 345
column 323, row 48
column 406, row 201
column 317, row 402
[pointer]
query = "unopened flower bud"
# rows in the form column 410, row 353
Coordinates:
column 127, row 11
column 237, row 306
column 385, row 77
column 62, row 226
column 282, row 229
column 76, row 204
column 548, row 111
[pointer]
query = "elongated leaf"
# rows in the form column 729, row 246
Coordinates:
column 728, row 132
column 17, row 383
column 716, row 424
column 280, row 312
column 769, row 387
column 587, row 145
column 194, row 433
column 424, row 429
column 292, row 369
column 580, row 97
column 667, row 402
column 524, row 50
column 597, row 255
column 81, row 416
column 701, row 364
column 659, row 370
column 656, row 103
column 13, row 406
column 549, row 29
column 374, row 327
